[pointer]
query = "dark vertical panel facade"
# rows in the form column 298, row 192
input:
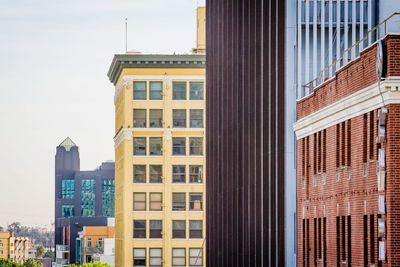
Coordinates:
column 245, row 132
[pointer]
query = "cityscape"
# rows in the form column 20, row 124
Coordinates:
column 182, row 133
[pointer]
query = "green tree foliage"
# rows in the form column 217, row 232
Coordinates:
column 32, row 263
column 39, row 251
column 28, row 263
column 91, row 264
column 49, row 254
column 8, row 263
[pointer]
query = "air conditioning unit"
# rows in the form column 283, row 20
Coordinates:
column 337, row 174
column 365, row 169
column 381, row 158
column 382, row 114
column 314, row 180
column 349, row 174
column 381, row 177
column 303, row 182
column 381, row 134
column 324, row 179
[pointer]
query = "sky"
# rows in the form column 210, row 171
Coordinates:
column 54, row 58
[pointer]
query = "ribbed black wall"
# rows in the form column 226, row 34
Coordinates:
column 245, row 132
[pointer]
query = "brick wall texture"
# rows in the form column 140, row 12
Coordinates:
column 337, row 192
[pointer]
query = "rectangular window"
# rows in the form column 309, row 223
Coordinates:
column 68, row 211
column 343, row 144
column 99, row 243
column 179, row 146
column 372, row 237
column 196, row 229
column 156, row 90
column 178, row 257
column 89, row 242
column 139, row 118
column 155, row 146
column 139, row 173
column 337, row 145
column 196, row 118
column 196, row 201
column 196, row 145
column 304, row 241
column 343, row 238
column 178, row 173
column 88, row 195
column 179, row 90
column 365, row 226
column 155, row 173
column 371, row 135
column 156, row 118
column 155, row 201
column 139, row 201
column 315, row 152
column 178, row 201
column 139, row 257
column 319, row 151
column 68, row 189
column 139, row 229
column 108, row 197
column 319, row 238
column 325, row 245
column 179, row 229
column 349, row 143
column 156, row 257
column 324, row 152
column 155, row 229
column 308, row 241
column 196, row 174
column 315, row 242
column 139, row 91
column 349, row 241
column 195, row 257
column 196, row 90
column 179, row 118
column 337, row 241
column 139, row 146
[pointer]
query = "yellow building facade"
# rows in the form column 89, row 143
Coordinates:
column 14, row 248
column 6, row 245
column 160, row 159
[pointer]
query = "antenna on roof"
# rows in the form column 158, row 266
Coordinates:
column 126, row 35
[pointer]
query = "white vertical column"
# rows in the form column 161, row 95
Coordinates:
column 338, row 52
column 346, row 30
column 307, row 45
column 361, row 24
column 323, row 40
column 353, row 30
column 369, row 17
column 299, row 52
column 315, row 37
column 330, row 37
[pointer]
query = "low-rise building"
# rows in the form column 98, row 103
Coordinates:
column 14, row 248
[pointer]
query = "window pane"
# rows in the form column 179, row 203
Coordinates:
column 156, row 257
column 195, row 229
column 179, row 118
column 178, row 257
column 178, row 229
column 139, row 90
column 155, row 146
column 196, row 173
column 196, row 90
column 139, row 201
column 139, row 146
column 139, row 173
column 139, row 229
column 108, row 197
column 155, row 90
column 178, row 173
column 155, row 173
column 139, row 118
column 179, row 90
column 196, row 118
column 195, row 257
column 68, row 189
column 139, row 257
column 68, row 211
column 88, row 195
column 155, row 229
column 179, row 146
column 156, row 118
column 155, row 201
column 178, row 201
column 196, row 145
column 196, row 201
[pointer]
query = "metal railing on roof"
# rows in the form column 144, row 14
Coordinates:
column 373, row 35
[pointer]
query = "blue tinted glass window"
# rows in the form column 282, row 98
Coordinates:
column 88, row 193
column 68, row 211
column 107, row 194
column 68, row 189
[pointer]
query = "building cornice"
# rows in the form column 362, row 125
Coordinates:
column 142, row 61
column 374, row 96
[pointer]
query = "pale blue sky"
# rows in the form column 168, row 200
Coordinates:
column 54, row 58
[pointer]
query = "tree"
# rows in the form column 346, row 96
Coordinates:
column 49, row 254
column 32, row 263
column 91, row 264
column 15, row 227
column 8, row 263
column 1, row 229
column 39, row 251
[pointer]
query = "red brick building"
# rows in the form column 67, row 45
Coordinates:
column 348, row 165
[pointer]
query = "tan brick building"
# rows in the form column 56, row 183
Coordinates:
column 348, row 164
